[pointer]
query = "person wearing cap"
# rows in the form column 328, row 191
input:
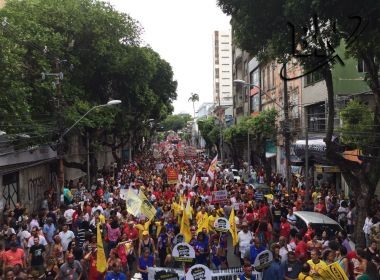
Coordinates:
column 146, row 243
column 14, row 256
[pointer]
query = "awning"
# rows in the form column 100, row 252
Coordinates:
column 326, row 168
column 270, row 155
column 296, row 161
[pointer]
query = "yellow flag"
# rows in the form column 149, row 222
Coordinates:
column 101, row 261
column 147, row 208
column 133, row 203
column 233, row 228
column 333, row 272
column 185, row 225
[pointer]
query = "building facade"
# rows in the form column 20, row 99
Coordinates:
column 222, row 66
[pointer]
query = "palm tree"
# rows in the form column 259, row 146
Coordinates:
column 194, row 97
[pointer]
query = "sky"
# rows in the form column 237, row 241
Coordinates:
column 181, row 32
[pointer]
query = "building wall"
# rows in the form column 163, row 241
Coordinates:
column 2, row 3
column 77, row 152
column 222, row 61
column 33, row 182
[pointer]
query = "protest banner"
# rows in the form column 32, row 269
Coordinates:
column 172, row 175
column 183, row 252
column 198, row 272
column 219, row 196
column 222, row 225
column 333, row 272
column 263, row 260
column 163, row 273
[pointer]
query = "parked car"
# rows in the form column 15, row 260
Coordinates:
column 318, row 222
column 235, row 172
column 264, row 188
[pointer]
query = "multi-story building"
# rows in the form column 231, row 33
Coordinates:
column 222, row 61
column 240, row 71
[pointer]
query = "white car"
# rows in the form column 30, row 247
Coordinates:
column 235, row 172
column 319, row 223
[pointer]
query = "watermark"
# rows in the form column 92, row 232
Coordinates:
column 312, row 44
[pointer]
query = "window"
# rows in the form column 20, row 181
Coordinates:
column 225, row 43
column 217, row 73
column 225, row 71
column 312, row 78
column 273, row 67
column 263, row 80
column 316, row 117
column 225, row 64
column 294, row 101
column 254, row 77
column 255, row 103
column 268, row 78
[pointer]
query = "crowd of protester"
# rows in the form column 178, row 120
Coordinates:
column 59, row 241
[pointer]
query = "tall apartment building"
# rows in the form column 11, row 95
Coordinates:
column 222, row 58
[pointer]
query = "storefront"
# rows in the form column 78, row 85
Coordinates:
column 320, row 169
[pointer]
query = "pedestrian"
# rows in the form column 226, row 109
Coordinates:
column 71, row 269
column 37, row 256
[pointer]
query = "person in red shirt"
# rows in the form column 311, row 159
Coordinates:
column 320, row 207
column 93, row 273
column 14, row 256
column 301, row 248
column 263, row 212
column 131, row 232
column 309, row 232
column 284, row 227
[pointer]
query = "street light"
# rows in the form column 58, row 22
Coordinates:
column 109, row 103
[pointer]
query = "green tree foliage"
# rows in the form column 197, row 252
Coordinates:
column 210, row 131
column 357, row 126
column 175, row 122
column 194, row 97
column 98, row 50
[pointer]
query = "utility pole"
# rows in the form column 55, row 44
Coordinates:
column 88, row 161
column 248, row 138
column 60, row 151
column 286, row 132
column 307, row 186
column 220, row 129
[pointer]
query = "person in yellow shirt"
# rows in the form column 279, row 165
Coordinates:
column 316, row 265
column 202, row 219
column 305, row 272
column 219, row 211
column 211, row 220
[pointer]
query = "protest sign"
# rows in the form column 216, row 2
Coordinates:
column 222, row 224
column 198, row 272
column 183, row 252
column 263, row 260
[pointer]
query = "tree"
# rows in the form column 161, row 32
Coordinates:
column 334, row 23
column 194, row 97
column 261, row 128
column 100, row 53
column 209, row 131
column 175, row 122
